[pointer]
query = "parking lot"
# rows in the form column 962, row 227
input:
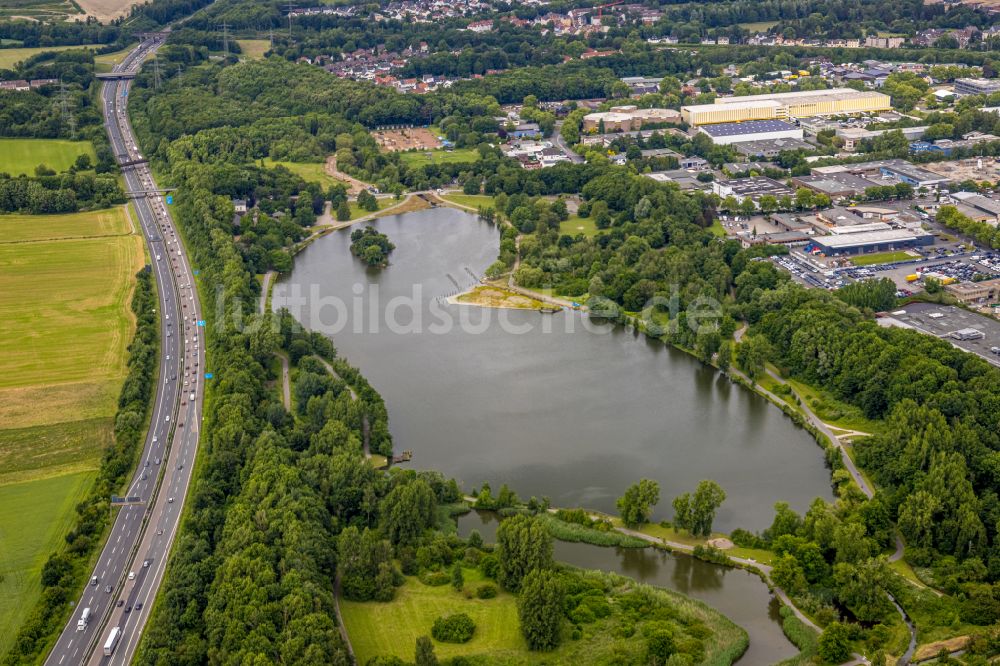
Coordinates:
column 943, row 320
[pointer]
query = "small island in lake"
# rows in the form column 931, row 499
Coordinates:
column 371, row 246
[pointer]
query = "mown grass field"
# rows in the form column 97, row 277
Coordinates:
column 393, row 628
column 254, row 49
column 421, row 157
column 310, row 171
column 473, row 201
column 34, row 517
column 65, row 322
column 575, row 225
column 21, row 156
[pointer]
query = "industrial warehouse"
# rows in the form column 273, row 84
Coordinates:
column 751, row 130
column 780, row 106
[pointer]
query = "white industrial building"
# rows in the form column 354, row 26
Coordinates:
column 751, row 130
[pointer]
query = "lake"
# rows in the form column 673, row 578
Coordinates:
column 553, row 405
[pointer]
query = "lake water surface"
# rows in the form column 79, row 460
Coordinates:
column 553, row 405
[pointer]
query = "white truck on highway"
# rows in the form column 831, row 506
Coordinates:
column 81, row 624
column 112, row 642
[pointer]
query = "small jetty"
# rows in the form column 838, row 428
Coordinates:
column 405, row 456
column 549, row 309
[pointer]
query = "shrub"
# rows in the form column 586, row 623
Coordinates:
column 582, row 615
column 457, row 628
column 435, row 578
column 486, row 591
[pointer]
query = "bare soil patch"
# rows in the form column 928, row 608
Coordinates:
column 419, row 138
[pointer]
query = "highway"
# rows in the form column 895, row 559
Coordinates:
column 131, row 566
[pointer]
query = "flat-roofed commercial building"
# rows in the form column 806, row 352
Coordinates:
column 628, row 118
column 987, row 291
column 752, row 130
column 976, row 86
column 872, row 241
column 800, row 104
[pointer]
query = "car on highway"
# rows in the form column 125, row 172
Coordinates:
column 131, row 575
column 93, row 580
column 170, row 500
column 107, row 588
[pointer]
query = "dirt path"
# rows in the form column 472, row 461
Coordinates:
column 264, row 289
column 354, row 186
column 286, row 386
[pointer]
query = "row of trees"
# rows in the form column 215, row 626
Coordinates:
column 694, row 513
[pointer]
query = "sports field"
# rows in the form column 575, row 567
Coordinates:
column 65, row 322
column 883, row 258
column 422, row 158
column 34, row 516
column 21, row 156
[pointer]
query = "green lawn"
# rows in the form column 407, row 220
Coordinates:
column 575, row 225
column 420, row 158
column 254, row 49
column 21, row 156
column 392, row 628
column 9, row 57
column 310, row 171
column 881, row 258
column 717, row 229
column 473, row 201
column 34, row 518
column 758, row 26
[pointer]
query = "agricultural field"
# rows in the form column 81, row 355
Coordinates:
column 422, row 158
column 65, row 323
column 41, row 10
column 105, row 10
column 254, row 49
column 21, row 156
column 34, row 517
column 10, row 56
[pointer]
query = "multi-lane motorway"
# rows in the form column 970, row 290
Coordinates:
column 125, row 580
